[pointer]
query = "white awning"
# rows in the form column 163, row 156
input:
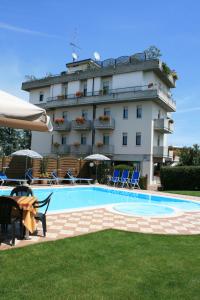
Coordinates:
column 17, row 113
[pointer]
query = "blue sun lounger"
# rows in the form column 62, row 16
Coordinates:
column 124, row 178
column 4, row 179
column 75, row 179
column 115, row 178
column 134, row 181
column 31, row 179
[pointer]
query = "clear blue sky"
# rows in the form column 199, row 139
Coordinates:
column 35, row 37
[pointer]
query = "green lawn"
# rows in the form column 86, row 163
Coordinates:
column 105, row 265
column 189, row 193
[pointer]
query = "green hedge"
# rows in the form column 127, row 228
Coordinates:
column 180, row 178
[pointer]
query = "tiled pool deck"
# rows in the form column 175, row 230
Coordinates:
column 80, row 222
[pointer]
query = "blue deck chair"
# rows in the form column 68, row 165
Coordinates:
column 31, row 179
column 4, row 179
column 115, row 178
column 134, row 181
column 75, row 179
column 59, row 179
column 124, row 178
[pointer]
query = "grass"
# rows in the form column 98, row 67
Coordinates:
column 105, row 265
column 189, row 193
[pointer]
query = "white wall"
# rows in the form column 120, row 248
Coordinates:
column 56, row 90
column 127, row 80
column 41, row 142
column 34, row 96
column 73, row 87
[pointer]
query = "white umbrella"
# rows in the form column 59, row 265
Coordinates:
column 27, row 153
column 96, row 157
column 17, row 113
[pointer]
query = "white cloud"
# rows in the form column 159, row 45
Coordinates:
column 10, row 27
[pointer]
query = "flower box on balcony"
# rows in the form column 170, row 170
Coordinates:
column 56, row 145
column 104, row 118
column 79, row 94
column 76, row 144
column 59, row 121
column 150, row 85
column 99, row 144
column 60, row 97
column 80, row 120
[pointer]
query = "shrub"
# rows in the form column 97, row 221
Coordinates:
column 180, row 178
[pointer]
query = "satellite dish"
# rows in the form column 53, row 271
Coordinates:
column 74, row 56
column 96, row 56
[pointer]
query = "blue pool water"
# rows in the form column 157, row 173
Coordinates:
column 141, row 204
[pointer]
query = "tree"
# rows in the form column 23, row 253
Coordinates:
column 13, row 139
column 153, row 52
column 190, row 156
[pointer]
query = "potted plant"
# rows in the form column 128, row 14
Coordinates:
column 59, row 121
column 56, row 145
column 43, row 169
column 61, row 97
column 79, row 94
column 76, row 144
column 80, row 120
column 104, row 118
column 150, row 85
column 174, row 75
column 99, row 144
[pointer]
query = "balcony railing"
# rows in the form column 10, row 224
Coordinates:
column 61, row 149
column 85, row 125
column 164, row 125
column 152, row 91
column 104, row 124
column 104, row 149
column 161, row 152
column 62, row 126
column 80, row 150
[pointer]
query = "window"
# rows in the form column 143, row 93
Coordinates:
column 159, row 114
column 65, row 90
column 106, row 112
column 105, row 87
column 41, row 97
column 84, row 113
column 64, row 140
column 84, row 88
column 138, row 138
column 158, row 141
column 125, row 112
column 139, row 112
column 124, row 139
column 106, row 139
column 65, row 113
column 83, row 139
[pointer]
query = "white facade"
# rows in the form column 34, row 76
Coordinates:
column 133, row 119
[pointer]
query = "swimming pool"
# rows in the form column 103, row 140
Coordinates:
column 120, row 201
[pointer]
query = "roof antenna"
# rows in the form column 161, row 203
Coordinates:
column 74, row 46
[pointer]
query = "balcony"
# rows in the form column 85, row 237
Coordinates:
column 164, row 125
column 80, row 150
column 150, row 92
column 60, row 149
column 61, row 126
column 104, row 149
column 83, row 125
column 161, row 152
column 104, row 124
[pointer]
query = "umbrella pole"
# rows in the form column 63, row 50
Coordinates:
column 96, row 181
